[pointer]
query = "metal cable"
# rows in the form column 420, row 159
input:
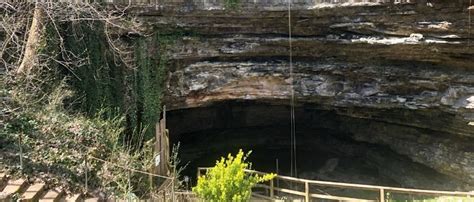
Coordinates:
column 469, row 8
column 293, row 167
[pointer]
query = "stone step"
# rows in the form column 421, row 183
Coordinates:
column 13, row 187
column 33, row 192
column 74, row 198
column 52, row 195
column 92, row 200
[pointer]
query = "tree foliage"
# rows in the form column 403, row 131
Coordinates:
column 228, row 181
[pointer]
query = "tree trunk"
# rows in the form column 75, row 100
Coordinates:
column 30, row 57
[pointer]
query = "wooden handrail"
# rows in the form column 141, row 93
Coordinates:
column 381, row 189
column 290, row 191
column 338, row 198
column 367, row 187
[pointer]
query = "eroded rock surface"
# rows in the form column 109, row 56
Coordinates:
column 402, row 74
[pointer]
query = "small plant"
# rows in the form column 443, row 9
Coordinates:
column 231, row 4
column 228, row 181
column 175, row 163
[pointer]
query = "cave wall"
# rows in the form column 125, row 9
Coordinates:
column 404, row 72
column 323, row 136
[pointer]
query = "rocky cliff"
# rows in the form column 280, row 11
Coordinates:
column 399, row 76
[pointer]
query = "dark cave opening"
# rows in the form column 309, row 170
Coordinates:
column 326, row 149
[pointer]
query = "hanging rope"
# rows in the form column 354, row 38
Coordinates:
column 293, row 167
column 469, row 8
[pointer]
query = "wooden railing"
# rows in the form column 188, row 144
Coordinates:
column 301, row 188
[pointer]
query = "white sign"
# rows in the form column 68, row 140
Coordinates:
column 157, row 160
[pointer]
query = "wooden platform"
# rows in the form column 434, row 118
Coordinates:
column 33, row 192
column 25, row 191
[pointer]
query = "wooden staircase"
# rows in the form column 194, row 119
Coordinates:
column 25, row 191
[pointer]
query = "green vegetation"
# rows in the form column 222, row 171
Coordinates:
column 228, row 181
column 55, row 143
column 104, row 81
column 231, row 4
column 82, row 100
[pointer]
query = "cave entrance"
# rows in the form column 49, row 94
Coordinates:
column 326, row 149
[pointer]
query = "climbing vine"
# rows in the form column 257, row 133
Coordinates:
column 133, row 91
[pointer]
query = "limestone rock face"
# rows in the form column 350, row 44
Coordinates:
column 402, row 75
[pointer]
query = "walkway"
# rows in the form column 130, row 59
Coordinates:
column 23, row 190
column 315, row 190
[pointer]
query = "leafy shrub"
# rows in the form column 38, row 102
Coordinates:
column 228, row 181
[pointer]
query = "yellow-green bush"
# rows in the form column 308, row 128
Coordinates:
column 228, row 181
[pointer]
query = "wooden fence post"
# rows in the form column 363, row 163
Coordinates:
column 173, row 199
column 164, row 195
column 86, row 174
column 382, row 195
column 272, row 194
column 20, row 141
column 307, row 195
